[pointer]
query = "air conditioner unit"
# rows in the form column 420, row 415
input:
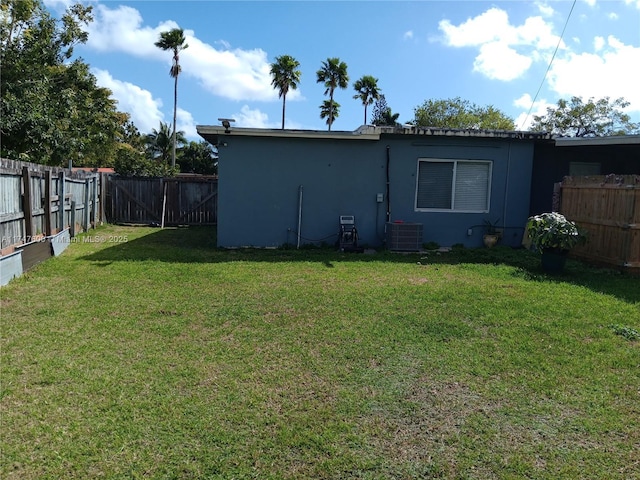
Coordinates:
column 405, row 237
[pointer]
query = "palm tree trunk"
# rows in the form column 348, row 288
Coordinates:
column 330, row 108
column 175, row 108
column 365, row 114
column 284, row 99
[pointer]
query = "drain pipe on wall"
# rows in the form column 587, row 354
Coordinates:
column 299, row 214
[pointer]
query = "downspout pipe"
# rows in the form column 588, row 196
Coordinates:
column 299, row 214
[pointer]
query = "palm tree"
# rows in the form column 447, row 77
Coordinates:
column 286, row 75
column 367, row 91
column 160, row 144
column 334, row 75
column 329, row 110
column 173, row 40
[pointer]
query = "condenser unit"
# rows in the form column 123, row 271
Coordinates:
column 404, row 236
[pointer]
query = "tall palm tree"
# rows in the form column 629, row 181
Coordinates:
column 286, row 75
column 367, row 91
column 334, row 75
column 173, row 40
column 329, row 110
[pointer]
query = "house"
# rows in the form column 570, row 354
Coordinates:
column 578, row 156
column 280, row 187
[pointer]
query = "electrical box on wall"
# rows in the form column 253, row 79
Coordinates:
column 380, row 197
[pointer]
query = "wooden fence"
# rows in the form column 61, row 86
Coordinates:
column 608, row 208
column 162, row 201
column 41, row 208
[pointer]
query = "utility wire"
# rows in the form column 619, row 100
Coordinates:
column 549, row 66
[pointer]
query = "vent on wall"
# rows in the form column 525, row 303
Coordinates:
column 404, row 236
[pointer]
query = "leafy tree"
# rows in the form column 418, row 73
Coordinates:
column 132, row 159
column 198, row 157
column 160, row 144
column 462, row 114
column 367, row 91
column 595, row 118
column 51, row 110
column 174, row 41
column 334, row 75
column 329, row 110
column 285, row 75
column 382, row 114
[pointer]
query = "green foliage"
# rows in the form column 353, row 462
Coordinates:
column 174, row 41
column 460, row 114
column 431, row 245
column 333, row 74
column 382, row 114
column 52, row 110
column 329, row 110
column 284, row 76
column 367, row 92
column 131, row 162
column 554, row 231
column 629, row 333
column 198, row 157
column 595, row 118
column 159, row 143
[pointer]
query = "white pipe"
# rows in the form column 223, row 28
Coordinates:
column 164, row 202
column 299, row 213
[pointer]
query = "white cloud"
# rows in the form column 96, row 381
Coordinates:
column 137, row 102
column 545, row 9
column 186, row 123
column 59, row 5
column 249, row 118
column 231, row 73
column 601, row 74
column 408, row 35
column 506, row 51
column 591, row 3
column 633, row 2
column 599, row 43
column 524, row 121
column 501, row 62
column 612, row 16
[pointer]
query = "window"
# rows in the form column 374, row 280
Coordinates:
column 454, row 185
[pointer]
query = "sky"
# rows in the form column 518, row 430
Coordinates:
column 490, row 53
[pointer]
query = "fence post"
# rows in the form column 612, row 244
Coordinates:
column 26, row 204
column 48, row 230
column 94, row 207
column 72, row 220
column 103, row 196
column 61, row 199
column 85, row 212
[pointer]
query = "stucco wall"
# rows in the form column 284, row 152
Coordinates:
column 260, row 180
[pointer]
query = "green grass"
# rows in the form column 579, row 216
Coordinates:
column 164, row 357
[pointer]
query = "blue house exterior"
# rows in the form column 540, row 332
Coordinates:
column 280, row 187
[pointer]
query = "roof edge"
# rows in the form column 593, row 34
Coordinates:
column 368, row 132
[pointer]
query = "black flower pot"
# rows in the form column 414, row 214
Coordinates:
column 553, row 260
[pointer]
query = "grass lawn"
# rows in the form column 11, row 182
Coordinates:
column 164, row 357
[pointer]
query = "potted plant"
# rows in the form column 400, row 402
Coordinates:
column 492, row 234
column 553, row 235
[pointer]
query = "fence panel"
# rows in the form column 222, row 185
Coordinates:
column 162, row 201
column 35, row 202
column 609, row 209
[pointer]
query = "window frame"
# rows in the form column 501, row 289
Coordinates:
column 455, row 162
